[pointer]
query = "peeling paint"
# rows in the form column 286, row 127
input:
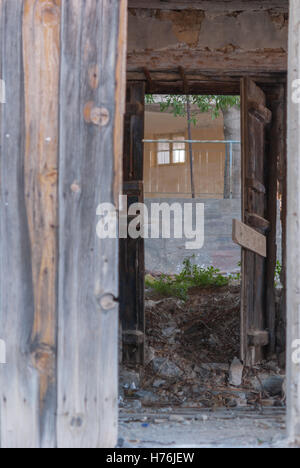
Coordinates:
column 186, row 25
column 280, row 20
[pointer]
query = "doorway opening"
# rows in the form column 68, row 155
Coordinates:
column 215, row 345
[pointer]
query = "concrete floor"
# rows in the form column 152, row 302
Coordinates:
column 192, row 428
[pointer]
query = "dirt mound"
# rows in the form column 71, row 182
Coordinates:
column 205, row 329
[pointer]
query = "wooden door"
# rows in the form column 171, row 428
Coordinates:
column 255, row 119
column 132, row 264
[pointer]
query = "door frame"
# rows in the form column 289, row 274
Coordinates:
column 211, row 86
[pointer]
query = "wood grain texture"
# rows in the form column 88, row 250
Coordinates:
column 254, row 201
column 213, row 5
column 88, row 267
column 249, row 238
column 276, row 153
column 41, row 34
column 132, row 251
column 28, row 221
column 198, row 61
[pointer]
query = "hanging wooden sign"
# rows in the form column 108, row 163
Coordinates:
column 249, row 238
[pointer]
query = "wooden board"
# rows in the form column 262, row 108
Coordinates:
column 88, row 268
column 238, row 62
column 29, row 251
column 276, row 153
column 249, row 238
column 132, row 251
column 212, row 5
column 59, row 60
column 255, row 184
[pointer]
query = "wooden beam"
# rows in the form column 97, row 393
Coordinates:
column 248, row 238
column 212, row 5
column 200, row 61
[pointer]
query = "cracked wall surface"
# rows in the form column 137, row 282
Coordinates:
column 263, row 35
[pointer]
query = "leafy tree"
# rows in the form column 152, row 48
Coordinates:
column 206, row 104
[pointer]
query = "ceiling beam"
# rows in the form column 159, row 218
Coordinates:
column 212, row 5
column 202, row 61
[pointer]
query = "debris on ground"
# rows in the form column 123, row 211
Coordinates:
column 191, row 357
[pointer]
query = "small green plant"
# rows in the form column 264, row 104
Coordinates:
column 278, row 271
column 190, row 277
column 237, row 276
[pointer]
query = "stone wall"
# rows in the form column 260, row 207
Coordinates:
column 167, row 255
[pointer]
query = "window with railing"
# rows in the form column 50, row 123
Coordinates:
column 179, row 150
column 169, row 152
column 163, row 153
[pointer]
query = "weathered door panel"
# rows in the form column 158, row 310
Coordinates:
column 132, row 265
column 255, row 117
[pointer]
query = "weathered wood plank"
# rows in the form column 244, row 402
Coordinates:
column 41, row 33
column 212, row 5
column 249, row 238
column 28, row 221
column 132, row 264
column 276, row 152
column 257, row 222
column 254, row 201
column 241, row 62
column 92, row 32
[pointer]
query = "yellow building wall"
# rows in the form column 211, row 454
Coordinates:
column 173, row 180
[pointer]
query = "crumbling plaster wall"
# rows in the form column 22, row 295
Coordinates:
column 160, row 30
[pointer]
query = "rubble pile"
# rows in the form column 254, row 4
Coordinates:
column 191, row 357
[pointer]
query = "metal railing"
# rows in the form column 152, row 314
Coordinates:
column 229, row 158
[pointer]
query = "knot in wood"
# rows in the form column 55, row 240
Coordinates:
column 107, row 302
column 100, row 116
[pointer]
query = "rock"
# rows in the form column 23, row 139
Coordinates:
column 149, row 354
column 166, row 368
column 168, row 332
column 273, row 385
column 159, row 383
column 129, row 378
column 176, row 418
column 147, row 397
column 135, row 404
column 239, row 399
column 236, row 373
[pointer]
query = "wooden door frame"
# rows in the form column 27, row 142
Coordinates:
column 233, row 87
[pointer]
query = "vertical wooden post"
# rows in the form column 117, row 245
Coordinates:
column 293, row 230
column 91, row 112
column 276, row 153
column 61, row 133
column 132, row 265
column 29, row 158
